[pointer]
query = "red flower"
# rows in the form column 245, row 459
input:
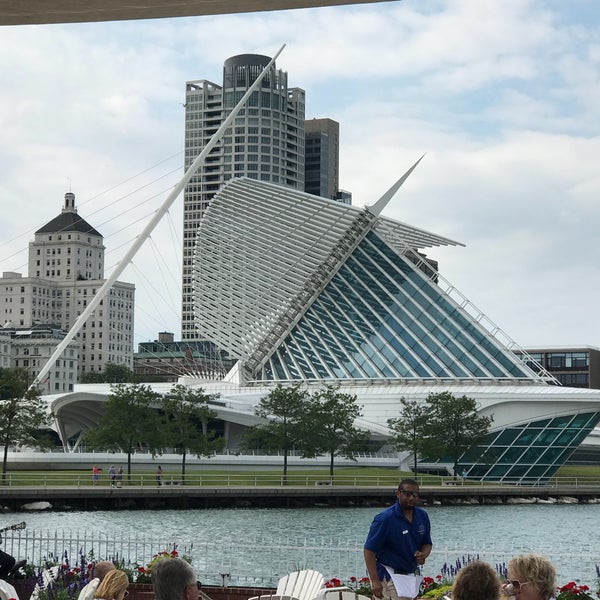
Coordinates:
column 353, row 579
column 364, row 580
column 141, row 570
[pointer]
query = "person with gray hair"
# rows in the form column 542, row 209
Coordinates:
column 174, row 579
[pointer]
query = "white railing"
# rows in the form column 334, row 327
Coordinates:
column 274, row 478
column 262, row 561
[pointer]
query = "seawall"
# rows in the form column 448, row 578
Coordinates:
column 182, row 497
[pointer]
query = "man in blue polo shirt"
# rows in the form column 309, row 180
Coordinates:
column 399, row 539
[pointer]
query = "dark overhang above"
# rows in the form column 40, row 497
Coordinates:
column 27, row 12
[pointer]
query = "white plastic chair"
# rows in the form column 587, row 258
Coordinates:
column 89, row 589
column 7, row 591
column 302, row 585
column 48, row 576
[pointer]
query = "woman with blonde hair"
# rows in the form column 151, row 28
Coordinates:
column 476, row 581
column 113, row 586
column 530, row 577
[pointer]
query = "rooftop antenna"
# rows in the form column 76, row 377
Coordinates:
column 158, row 215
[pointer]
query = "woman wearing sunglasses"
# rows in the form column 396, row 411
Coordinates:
column 530, row 577
column 113, row 586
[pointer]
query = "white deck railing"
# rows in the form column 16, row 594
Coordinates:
column 262, row 561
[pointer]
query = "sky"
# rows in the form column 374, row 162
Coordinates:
column 501, row 97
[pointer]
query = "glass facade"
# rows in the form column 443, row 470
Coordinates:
column 298, row 289
column 380, row 317
column 528, row 453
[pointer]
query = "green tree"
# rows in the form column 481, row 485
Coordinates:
column 130, row 420
column 453, row 426
column 285, row 409
column 22, row 411
column 409, row 430
column 329, row 425
column 112, row 373
column 256, row 438
column 187, row 416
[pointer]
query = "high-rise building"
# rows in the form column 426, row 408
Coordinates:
column 66, row 269
column 322, row 162
column 265, row 143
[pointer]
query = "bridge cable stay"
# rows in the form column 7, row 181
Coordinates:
column 158, row 215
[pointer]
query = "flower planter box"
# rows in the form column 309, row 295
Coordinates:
column 235, row 593
column 24, row 587
column 143, row 591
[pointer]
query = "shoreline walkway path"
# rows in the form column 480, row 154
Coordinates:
column 245, row 496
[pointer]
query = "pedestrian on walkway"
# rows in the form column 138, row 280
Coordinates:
column 112, row 472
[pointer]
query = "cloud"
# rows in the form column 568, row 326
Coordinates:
column 500, row 96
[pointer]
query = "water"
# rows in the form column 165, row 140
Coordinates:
column 257, row 546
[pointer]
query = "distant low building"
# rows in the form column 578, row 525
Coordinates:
column 573, row 366
column 30, row 348
column 166, row 359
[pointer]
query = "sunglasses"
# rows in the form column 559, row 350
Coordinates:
column 516, row 583
column 409, row 494
column 197, row 585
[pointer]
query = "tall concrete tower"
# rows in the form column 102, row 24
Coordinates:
column 265, row 143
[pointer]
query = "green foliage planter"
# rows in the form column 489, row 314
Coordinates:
column 436, row 593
